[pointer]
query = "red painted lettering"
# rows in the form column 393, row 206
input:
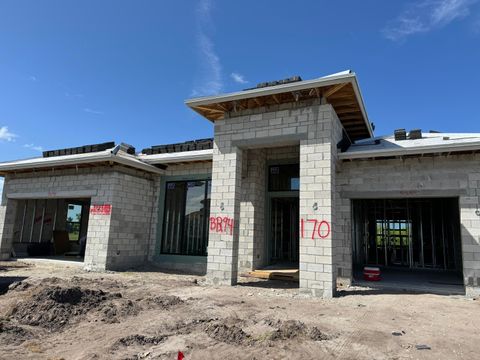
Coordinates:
column 326, row 232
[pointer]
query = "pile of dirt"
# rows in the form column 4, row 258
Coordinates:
column 189, row 326
column 293, row 329
column 113, row 311
column 53, row 307
column 138, row 339
column 11, row 334
column 228, row 334
column 164, row 302
column 289, row 329
column 316, row 334
column 99, row 282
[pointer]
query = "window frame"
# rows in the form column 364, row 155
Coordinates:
column 163, row 211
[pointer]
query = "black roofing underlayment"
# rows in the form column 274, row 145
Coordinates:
column 80, row 149
column 200, row 144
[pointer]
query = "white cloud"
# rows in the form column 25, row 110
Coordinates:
column 33, row 147
column 210, row 81
column 6, row 135
column 427, row 15
column 32, row 78
column 92, row 111
column 238, row 78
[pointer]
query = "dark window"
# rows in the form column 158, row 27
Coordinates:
column 284, row 177
column 185, row 222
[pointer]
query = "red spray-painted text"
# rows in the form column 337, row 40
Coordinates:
column 221, row 224
column 321, row 229
column 105, row 209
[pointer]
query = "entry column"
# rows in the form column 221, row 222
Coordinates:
column 222, row 266
column 317, row 210
column 7, row 218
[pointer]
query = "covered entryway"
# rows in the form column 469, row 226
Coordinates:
column 284, row 245
column 51, row 228
column 413, row 241
column 283, row 208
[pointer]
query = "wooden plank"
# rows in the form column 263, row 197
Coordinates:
column 350, row 101
column 334, row 89
column 351, row 117
column 208, row 109
column 257, row 101
column 277, row 274
column 347, row 110
column 223, row 107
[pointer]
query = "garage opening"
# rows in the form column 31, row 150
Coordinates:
column 51, row 228
column 415, row 242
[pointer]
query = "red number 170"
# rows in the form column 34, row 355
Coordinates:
column 320, row 228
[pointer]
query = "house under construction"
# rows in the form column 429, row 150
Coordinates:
column 293, row 177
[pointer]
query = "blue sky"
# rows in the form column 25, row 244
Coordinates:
column 80, row 72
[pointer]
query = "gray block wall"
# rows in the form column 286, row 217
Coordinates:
column 116, row 241
column 437, row 176
column 133, row 205
column 252, row 211
column 315, row 128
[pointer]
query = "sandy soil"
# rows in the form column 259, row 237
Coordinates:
column 59, row 312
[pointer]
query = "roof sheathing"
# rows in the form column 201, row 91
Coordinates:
column 341, row 90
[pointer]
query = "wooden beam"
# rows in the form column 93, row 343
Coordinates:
column 257, row 101
column 351, row 117
column 354, row 127
column 223, row 107
column 343, row 103
column 347, row 110
column 342, row 96
column 276, row 99
column 333, row 90
column 204, row 108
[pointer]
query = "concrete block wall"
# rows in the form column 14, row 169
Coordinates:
column 438, row 176
column 317, row 207
column 222, row 261
column 189, row 169
column 283, row 153
column 266, row 127
column 8, row 211
column 251, row 252
column 133, row 206
column 107, row 185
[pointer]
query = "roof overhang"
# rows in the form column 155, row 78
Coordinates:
column 112, row 156
column 340, row 90
column 178, row 157
column 411, row 151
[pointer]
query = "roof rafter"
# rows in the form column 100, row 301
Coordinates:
column 334, row 89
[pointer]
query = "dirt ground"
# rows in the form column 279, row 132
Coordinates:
column 62, row 312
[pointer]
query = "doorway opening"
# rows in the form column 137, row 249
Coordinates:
column 283, row 209
column 284, row 231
